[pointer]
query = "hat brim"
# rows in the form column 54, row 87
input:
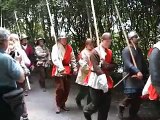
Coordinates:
column 41, row 39
column 24, row 38
column 62, row 37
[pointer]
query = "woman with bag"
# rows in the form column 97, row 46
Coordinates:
column 11, row 72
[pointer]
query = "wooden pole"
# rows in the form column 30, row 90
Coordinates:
column 126, row 38
column 89, row 22
column 1, row 18
column 95, row 21
column 51, row 20
column 15, row 14
column 125, row 35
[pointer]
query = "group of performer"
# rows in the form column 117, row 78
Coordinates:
column 93, row 72
column 95, row 66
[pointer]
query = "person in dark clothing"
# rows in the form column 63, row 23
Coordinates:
column 154, row 66
column 133, row 84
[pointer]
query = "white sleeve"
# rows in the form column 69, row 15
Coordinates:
column 73, row 61
column 39, row 53
column 25, row 58
column 83, row 61
column 55, row 59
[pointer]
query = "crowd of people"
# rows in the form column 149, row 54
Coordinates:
column 18, row 58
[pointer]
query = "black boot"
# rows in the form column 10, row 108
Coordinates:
column 25, row 116
column 87, row 116
column 78, row 102
column 120, row 112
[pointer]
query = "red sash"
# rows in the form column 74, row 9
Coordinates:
column 108, row 59
column 153, row 95
column 66, row 61
column 149, row 52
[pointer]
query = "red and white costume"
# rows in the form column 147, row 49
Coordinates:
column 149, row 91
column 84, row 62
column 104, row 80
column 63, row 58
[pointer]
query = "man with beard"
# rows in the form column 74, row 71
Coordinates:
column 28, row 49
column 133, row 85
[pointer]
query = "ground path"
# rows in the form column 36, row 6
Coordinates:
column 41, row 105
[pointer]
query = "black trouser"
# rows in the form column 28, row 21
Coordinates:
column 5, row 111
column 42, row 75
column 83, row 92
column 132, row 100
column 22, row 85
column 100, row 102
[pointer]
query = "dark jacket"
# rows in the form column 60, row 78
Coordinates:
column 154, row 67
column 95, row 60
column 133, row 85
column 30, row 53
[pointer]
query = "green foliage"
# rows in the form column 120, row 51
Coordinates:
column 71, row 16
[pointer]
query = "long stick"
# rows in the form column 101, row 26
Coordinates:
column 1, row 18
column 89, row 22
column 51, row 20
column 121, row 80
column 95, row 22
column 15, row 14
column 125, row 35
column 28, row 84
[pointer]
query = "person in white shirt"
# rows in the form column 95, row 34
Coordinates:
column 84, row 62
column 63, row 58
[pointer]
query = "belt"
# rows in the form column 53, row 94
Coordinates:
column 5, row 89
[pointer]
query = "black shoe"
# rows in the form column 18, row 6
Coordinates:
column 25, row 117
column 58, row 110
column 78, row 102
column 87, row 116
column 65, row 108
column 120, row 112
column 26, row 93
column 44, row 90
